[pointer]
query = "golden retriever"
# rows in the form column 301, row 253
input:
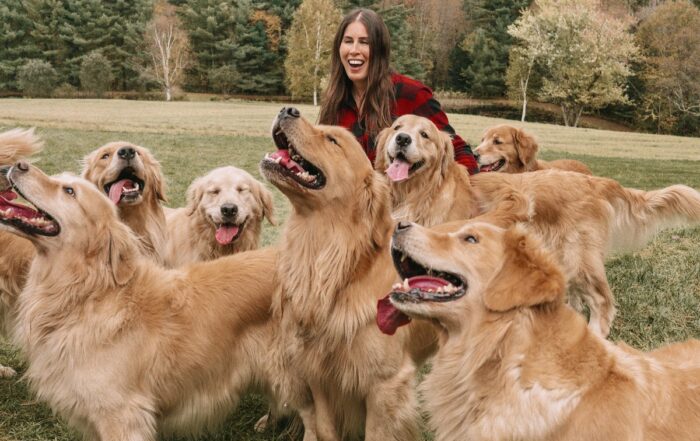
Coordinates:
column 132, row 179
column 582, row 217
column 516, row 362
column 333, row 267
column 224, row 214
column 17, row 252
column 119, row 346
column 508, row 149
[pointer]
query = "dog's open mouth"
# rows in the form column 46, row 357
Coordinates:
column 420, row 284
column 228, row 232
column 25, row 216
column 288, row 162
column 494, row 166
column 400, row 168
column 126, row 188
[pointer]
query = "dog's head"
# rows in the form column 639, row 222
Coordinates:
column 230, row 199
column 412, row 145
column 127, row 173
column 67, row 214
column 507, row 149
column 315, row 165
column 454, row 276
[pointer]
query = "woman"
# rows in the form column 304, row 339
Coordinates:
column 365, row 96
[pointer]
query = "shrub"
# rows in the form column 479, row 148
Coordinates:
column 37, row 78
column 96, row 73
column 224, row 79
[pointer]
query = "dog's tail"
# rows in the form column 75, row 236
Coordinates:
column 638, row 214
column 18, row 144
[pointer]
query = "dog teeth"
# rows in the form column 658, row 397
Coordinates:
column 396, row 286
column 405, row 284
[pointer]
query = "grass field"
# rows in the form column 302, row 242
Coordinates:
column 657, row 288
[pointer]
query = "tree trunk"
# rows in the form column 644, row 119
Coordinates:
column 168, row 94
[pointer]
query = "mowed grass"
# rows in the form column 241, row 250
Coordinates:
column 657, row 288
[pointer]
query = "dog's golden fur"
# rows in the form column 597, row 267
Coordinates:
column 582, row 217
column 508, row 149
column 17, row 252
column 224, row 196
column 517, row 363
column 334, row 264
column 121, row 347
column 144, row 212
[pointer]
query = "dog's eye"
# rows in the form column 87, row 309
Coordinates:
column 241, row 189
column 331, row 139
column 471, row 239
column 423, row 134
column 214, row 192
column 105, row 156
column 497, row 141
column 397, row 127
column 69, row 190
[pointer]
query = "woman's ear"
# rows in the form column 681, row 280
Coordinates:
column 380, row 159
column 529, row 275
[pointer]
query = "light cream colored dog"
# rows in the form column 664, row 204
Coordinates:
column 508, row 149
column 517, row 363
column 582, row 217
column 132, row 179
column 16, row 252
column 334, row 266
column 119, row 346
column 224, row 214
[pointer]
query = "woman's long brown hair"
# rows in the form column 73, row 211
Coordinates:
column 379, row 96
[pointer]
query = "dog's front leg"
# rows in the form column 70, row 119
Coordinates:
column 130, row 424
column 325, row 419
column 391, row 408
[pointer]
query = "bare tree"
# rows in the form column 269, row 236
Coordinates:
column 168, row 48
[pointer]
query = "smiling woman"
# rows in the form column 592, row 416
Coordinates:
column 365, row 95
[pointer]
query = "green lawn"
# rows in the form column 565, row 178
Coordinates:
column 657, row 288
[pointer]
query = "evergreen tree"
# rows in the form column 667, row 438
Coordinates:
column 403, row 57
column 488, row 45
column 16, row 44
column 258, row 64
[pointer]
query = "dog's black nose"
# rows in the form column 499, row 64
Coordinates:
column 22, row 166
column 289, row 112
column 403, row 140
column 229, row 210
column 126, row 153
column 403, row 225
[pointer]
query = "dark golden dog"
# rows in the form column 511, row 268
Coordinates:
column 508, row 149
column 516, row 362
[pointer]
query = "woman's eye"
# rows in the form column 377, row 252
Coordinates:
column 69, row 190
column 471, row 239
column 423, row 134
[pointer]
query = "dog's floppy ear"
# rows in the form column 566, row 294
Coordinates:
column 526, row 146
column 448, row 152
column 194, row 196
column 155, row 176
column 122, row 253
column 380, row 160
column 529, row 276
column 264, row 198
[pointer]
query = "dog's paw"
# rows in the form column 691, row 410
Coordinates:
column 261, row 425
column 7, row 372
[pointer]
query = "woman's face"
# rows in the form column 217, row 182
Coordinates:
column 355, row 53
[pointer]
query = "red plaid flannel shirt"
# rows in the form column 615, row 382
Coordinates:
column 411, row 97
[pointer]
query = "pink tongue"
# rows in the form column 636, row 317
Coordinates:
column 398, row 170
column 226, row 233
column 426, row 282
column 115, row 191
column 286, row 161
column 389, row 319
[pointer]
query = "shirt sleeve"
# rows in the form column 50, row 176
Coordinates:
column 429, row 107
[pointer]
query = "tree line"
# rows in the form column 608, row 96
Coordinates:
column 632, row 60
